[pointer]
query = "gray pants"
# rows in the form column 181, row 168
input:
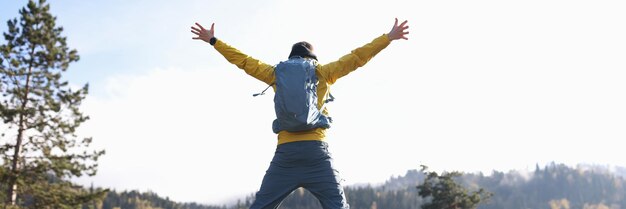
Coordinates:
column 306, row 164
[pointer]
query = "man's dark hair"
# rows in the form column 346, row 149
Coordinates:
column 302, row 49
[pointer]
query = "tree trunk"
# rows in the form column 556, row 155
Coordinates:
column 12, row 193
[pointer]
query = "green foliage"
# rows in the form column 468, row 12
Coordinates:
column 40, row 114
column 445, row 193
column 146, row 200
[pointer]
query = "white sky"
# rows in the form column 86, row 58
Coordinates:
column 479, row 86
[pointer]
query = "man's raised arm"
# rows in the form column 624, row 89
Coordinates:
column 360, row 56
column 251, row 66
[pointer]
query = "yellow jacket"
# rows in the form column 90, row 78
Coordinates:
column 327, row 74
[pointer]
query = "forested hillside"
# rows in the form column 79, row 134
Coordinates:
column 553, row 186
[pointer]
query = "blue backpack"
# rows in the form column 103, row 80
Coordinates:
column 295, row 101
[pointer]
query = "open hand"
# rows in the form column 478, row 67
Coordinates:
column 398, row 31
column 203, row 34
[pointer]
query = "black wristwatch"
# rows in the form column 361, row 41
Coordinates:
column 212, row 41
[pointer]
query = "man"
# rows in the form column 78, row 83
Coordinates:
column 302, row 158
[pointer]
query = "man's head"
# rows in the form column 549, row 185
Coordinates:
column 302, row 49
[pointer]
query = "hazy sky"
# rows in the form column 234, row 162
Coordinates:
column 480, row 85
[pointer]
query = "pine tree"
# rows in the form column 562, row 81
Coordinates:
column 446, row 193
column 40, row 114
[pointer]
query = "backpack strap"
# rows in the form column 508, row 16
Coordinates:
column 330, row 98
column 263, row 92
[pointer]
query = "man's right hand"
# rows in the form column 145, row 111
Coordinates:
column 203, row 34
